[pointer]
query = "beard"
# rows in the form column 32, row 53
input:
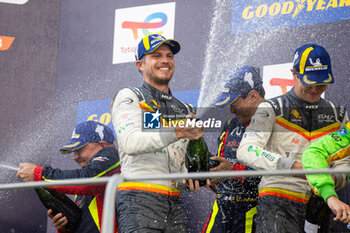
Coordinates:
column 157, row 80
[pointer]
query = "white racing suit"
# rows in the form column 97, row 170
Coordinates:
column 281, row 129
column 155, row 204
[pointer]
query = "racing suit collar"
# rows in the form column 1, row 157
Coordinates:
column 303, row 104
column 99, row 155
column 157, row 93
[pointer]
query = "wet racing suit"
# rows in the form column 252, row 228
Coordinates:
column 235, row 205
column 320, row 154
column 281, row 129
column 89, row 198
column 148, row 147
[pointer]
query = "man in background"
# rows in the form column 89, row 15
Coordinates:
column 236, row 199
column 93, row 149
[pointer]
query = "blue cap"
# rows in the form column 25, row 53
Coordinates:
column 151, row 42
column 86, row 132
column 240, row 82
column 312, row 64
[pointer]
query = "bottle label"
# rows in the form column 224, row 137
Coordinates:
column 310, row 227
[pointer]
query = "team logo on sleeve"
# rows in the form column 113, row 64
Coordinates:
column 342, row 131
column 256, row 150
column 151, row 120
column 259, row 152
column 100, row 158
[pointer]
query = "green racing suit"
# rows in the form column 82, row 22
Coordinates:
column 320, row 154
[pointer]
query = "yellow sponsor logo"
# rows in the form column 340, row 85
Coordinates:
column 105, row 118
column 295, row 113
column 291, row 7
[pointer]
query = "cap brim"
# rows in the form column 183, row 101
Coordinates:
column 314, row 79
column 225, row 100
column 72, row 146
column 173, row 44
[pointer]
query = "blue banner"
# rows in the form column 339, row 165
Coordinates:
column 98, row 110
column 263, row 15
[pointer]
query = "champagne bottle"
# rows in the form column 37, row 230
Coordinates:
column 197, row 158
column 317, row 215
column 60, row 203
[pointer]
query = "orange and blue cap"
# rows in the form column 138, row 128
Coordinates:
column 151, row 42
column 312, row 64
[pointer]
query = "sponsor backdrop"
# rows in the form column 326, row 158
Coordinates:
column 259, row 15
column 93, row 46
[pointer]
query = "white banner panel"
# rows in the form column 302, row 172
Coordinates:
column 134, row 23
column 19, row 2
column 278, row 79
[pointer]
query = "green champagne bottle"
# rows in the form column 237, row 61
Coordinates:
column 197, row 157
column 60, row 203
column 317, row 218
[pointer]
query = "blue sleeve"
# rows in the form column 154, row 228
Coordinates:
column 105, row 161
